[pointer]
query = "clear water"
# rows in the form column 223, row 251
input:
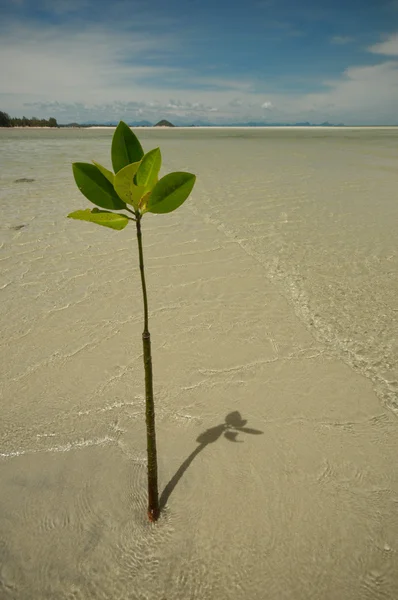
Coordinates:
column 319, row 210
column 278, row 273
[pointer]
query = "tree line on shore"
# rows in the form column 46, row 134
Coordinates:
column 7, row 121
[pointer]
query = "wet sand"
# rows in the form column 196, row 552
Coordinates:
column 305, row 509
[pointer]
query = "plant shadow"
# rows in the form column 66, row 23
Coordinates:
column 232, row 426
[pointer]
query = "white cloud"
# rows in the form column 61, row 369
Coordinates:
column 96, row 65
column 100, row 74
column 389, row 47
column 62, row 63
column 366, row 94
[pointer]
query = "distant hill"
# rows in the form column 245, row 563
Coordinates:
column 164, row 123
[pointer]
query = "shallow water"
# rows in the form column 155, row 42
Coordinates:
column 319, row 210
column 272, row 293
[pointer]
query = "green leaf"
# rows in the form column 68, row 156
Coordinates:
column 101, row 217
column 126, row 148
column 170, row 192
column 147, row 174
column 108, row 174
column 125, row 187
column 96, row 187
column 143, row 203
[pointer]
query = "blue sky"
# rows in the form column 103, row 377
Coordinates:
column 215, row 61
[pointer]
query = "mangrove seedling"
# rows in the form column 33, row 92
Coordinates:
column 134, row 187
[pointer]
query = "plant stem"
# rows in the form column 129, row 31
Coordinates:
column 131, row 211
column 153, row 494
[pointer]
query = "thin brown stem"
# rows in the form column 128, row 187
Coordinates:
column 131, row 211
column 153, row 494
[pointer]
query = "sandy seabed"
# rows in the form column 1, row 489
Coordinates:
column 277, row 461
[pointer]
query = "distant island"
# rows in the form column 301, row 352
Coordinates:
column 199, row 123
column 164, row 123
column 7, row 121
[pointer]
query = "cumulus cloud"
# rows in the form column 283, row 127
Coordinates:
column 267, row 105
column 365, row 94
column 389, row 47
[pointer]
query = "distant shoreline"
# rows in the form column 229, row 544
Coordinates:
column 32, row 127
column 243, row 127
column 190, row 127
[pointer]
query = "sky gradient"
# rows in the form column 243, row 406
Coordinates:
column 212, row 61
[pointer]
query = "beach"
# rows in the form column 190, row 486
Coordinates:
column 272, row 294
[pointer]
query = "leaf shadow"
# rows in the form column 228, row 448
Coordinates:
column 230, row 429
